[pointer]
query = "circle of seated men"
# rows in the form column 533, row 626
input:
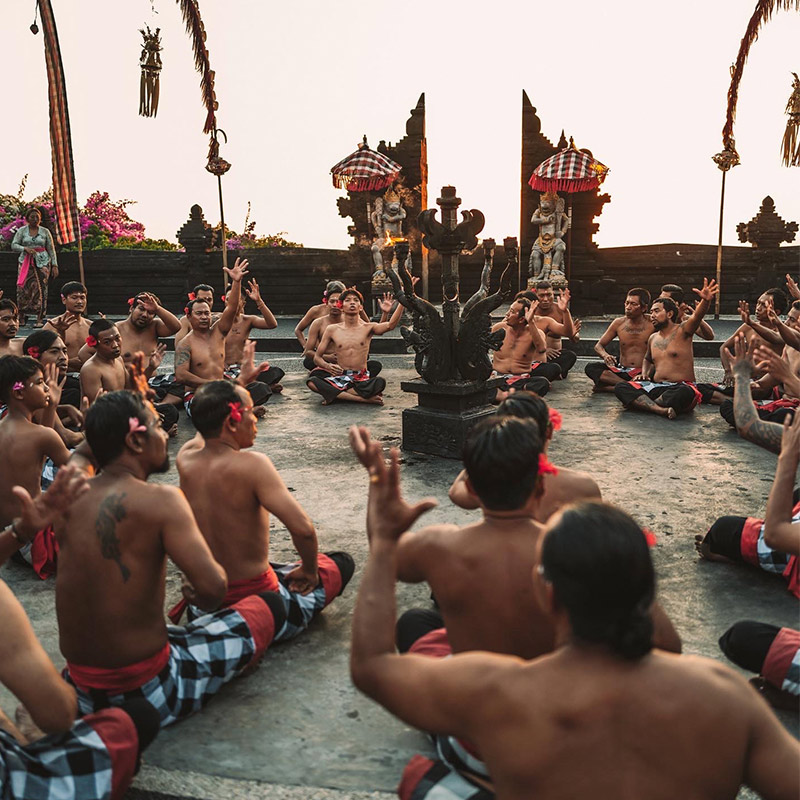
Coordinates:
column 567, row 628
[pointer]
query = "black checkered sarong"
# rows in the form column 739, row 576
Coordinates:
column 94, row 760
column 301, row 609
column 204, row 656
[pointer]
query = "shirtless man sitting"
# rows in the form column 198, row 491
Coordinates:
column 668, row 385
column 334, row 317
column 200, row 355
column 522, row 358
column 240, row 333
column 204, row 293
column 558, row 488
column 774, row 299
column 73, row 328
column 633, row 331
column 779, row 385
column 555, row 321
column 25, row 445
column 589, row 703
column 110, row 588
column 773, row 545
column 232, row 491
column 106, row 370
column 93, row 758
column 320, row 310
column 348, row 377
column 47, row 347
column 676, row 294
column 9, row 326
column 505, row 464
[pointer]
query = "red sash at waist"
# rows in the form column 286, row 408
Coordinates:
column 44, row 553
column 267, row 581
column 119, row 679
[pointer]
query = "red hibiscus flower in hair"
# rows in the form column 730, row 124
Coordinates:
column 34, row 352
column 192, row 296
column 236, row 411
column 91, row 340
column 546, row 467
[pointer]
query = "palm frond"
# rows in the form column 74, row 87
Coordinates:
column 763, row 12
column 197, row 33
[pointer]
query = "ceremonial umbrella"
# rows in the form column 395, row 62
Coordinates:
column 365, row 170
column 570, row 170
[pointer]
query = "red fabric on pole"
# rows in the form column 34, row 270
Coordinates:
column 64, row 198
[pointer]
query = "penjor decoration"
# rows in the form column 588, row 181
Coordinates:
column 150, row 63
column 791, row 140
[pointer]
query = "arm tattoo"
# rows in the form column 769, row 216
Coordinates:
column 184, row 355
column 111, row 511
column 749, row 425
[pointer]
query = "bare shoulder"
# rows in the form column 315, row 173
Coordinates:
column 581, row 484
column 432, row 536
column 89, row 366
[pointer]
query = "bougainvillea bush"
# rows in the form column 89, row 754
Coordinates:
column 105, row 223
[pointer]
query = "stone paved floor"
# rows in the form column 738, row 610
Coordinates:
column 297, row 728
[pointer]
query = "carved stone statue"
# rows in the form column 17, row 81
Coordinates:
column 547, row 256
column 387, row 221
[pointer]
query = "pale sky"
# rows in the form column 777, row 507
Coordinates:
column 643, row 85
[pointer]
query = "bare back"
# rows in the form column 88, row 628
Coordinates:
column 221, row 489
column 567, row 486
column 669, row 726
column 24, row 446
column 481, row 578
column 111, row 573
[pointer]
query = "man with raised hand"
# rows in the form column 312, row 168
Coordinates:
column 113, row 549
column 673, row 726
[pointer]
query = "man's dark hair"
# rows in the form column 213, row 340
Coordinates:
column 675, row 291
column 107, row 423
column 190, row 305
column 527, row 294
column 7, row 304
column 670, row 306
column 598, row 561
column 544, row 285
column 210, row 407
column 527, row 405
column 796, row 305
column 203, row 287
column 526, row 304
column 72, row 287
column 779, row 299
column 347, row 292
column 501, row 457
column 41, row 340
column 13, row 369
column 642, row 294
column 98, row 326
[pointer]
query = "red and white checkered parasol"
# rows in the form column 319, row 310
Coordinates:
column 365, row 170
column 570, row 170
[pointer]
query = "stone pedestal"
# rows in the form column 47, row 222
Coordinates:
column 446, row 413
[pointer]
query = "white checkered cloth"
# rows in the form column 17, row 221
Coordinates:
column 76, row 764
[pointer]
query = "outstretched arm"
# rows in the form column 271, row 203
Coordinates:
column 748, row 424
column 705, row 294
column 437, row 695
column 379, row 328
column 236, row 273
column 780, row 533
column 267, row 320
column 307, row 319
column 767, row 334
column 460, row 494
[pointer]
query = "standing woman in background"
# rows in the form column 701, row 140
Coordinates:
column 37, row 259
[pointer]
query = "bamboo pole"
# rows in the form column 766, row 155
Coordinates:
column 719, row 247
column 224, row 237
